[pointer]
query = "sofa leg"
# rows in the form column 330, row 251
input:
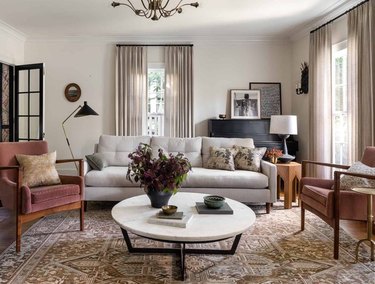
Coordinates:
column 268, row 207
column 302, row 217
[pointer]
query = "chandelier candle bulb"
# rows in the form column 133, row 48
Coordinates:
column 155, row 9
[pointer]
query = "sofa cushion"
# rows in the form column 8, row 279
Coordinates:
column 249, row 158
column 221, row 158
column 208, row 142
column 190, row 147
column 116, row 149
column 110, row 177
column 203, row 178
column 46, row 193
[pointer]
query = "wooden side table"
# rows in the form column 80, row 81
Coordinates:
column 370, row 192
column 291, row 174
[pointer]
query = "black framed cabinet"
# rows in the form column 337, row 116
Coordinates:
column 258, row 129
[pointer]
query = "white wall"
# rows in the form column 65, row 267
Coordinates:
column 218, row 67
column 11, row 47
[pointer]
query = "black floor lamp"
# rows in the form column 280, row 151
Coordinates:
column 84, row 110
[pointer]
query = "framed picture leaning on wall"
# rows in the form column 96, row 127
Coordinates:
column 270, row 98
column 245, row 104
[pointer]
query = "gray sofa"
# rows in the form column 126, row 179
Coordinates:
column 110, row 184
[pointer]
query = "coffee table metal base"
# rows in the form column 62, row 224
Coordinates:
column 182, row 250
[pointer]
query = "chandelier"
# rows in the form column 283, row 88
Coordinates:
column 155, row 9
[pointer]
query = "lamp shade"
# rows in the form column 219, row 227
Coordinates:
column 283, row 124
column 85, row 110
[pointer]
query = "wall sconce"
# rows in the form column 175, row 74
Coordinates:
column 303, row 86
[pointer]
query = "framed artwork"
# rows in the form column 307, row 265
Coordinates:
column 245, row 104
column 270, row 98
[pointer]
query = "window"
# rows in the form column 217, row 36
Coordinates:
column 340, row 115
column 155, row 100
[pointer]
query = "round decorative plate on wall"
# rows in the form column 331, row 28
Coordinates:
column 72, row 92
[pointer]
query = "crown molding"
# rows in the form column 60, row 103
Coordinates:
column 12, row 31
column 327, row 15
column 162, row 39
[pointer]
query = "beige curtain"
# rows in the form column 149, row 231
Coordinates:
column 361, row 76
column 179, row 91
column 131, row 90
column 320, row 148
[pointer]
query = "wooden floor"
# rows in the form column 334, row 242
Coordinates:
column 356, row 229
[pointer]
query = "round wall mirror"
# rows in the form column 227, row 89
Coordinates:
column 72, row 92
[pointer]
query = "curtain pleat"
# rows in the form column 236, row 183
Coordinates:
column 361, row 76
column 179, row 120
column 131, row 90
column 320, row 146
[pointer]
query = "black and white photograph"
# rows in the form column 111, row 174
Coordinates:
column 245, row 104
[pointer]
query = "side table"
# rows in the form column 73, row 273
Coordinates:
column 370, row 192
column 291, row 174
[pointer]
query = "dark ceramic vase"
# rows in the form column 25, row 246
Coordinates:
column 158, row 198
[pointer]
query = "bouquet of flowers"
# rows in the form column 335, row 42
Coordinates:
column 273, row 154
column 164, row 173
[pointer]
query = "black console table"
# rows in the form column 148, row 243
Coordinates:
column 258, row 129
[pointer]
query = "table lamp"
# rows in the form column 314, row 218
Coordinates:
column 284, row 126
column 84, row 110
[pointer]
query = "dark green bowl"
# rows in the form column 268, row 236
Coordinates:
column 214, row 201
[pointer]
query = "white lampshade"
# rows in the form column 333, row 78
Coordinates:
column 283, row 124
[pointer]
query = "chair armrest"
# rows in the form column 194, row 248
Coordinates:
column 305, row 162
column 270, row 170
column 9, row 167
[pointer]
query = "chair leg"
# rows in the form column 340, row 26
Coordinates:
column 85, row 205
column 336, row 228
column 82, row 215
column 302, row 217
column 18, row 233
column 268, row 207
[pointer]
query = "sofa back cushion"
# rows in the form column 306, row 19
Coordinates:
column 115, row 149
column 208, row 142
column 190, row 147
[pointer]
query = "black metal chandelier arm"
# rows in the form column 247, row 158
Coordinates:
column 144, row 5
column 166, row 4
column 115, row 4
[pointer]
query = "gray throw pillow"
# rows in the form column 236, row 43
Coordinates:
column 96, row 161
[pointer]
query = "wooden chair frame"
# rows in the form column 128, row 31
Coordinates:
column 335, row 221
column 25, row 218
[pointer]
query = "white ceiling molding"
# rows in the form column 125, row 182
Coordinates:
column 12, row 31
column 330, row 13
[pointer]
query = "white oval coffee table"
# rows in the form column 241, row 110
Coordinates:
column 132, row 215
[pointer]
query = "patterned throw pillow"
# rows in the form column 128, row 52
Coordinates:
column 249, row 158
column 348, row 182
column 96, row 161
column 221, row 158
column 39, row 169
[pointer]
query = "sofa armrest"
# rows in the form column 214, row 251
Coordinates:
column 86, row 167
column 270, row 170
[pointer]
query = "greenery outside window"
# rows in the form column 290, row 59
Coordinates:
column 155, row 99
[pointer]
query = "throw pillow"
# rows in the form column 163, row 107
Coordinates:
column 221, row 158
column 249, row 158
column 348, row 182
column 96, row 161
column 39, row 169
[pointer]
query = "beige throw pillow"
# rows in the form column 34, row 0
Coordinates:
column 348, row 182
column 39, row 169
column 221, row 158
column 248, row 158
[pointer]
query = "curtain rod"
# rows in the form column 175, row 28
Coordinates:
column 154, row 45
column 339, row 16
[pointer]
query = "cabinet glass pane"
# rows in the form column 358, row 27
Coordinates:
column 23, row 104
column 22, row 127
column 34, row 127
column 23, row 81
column 34, row 104
column 34, row 80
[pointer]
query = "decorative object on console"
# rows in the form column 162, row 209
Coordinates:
column 270, row 98
column 155, row 9
column 159, row 176
column 222, row 116
column 284, row 126
column 84, row 110
column 273, row 154
column 72, row 92
column 245, row 104
column 303, row 86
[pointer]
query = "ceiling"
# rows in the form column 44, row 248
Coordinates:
column 213, row 18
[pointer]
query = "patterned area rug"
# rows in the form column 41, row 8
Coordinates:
column 272, row 251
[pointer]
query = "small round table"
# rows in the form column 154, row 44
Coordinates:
column 370, row 192
column 132, row 215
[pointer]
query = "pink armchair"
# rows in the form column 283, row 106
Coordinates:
column 36, row 202
column 331, row 205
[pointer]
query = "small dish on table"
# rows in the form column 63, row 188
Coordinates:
column 214, row 201
column 169, row 209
